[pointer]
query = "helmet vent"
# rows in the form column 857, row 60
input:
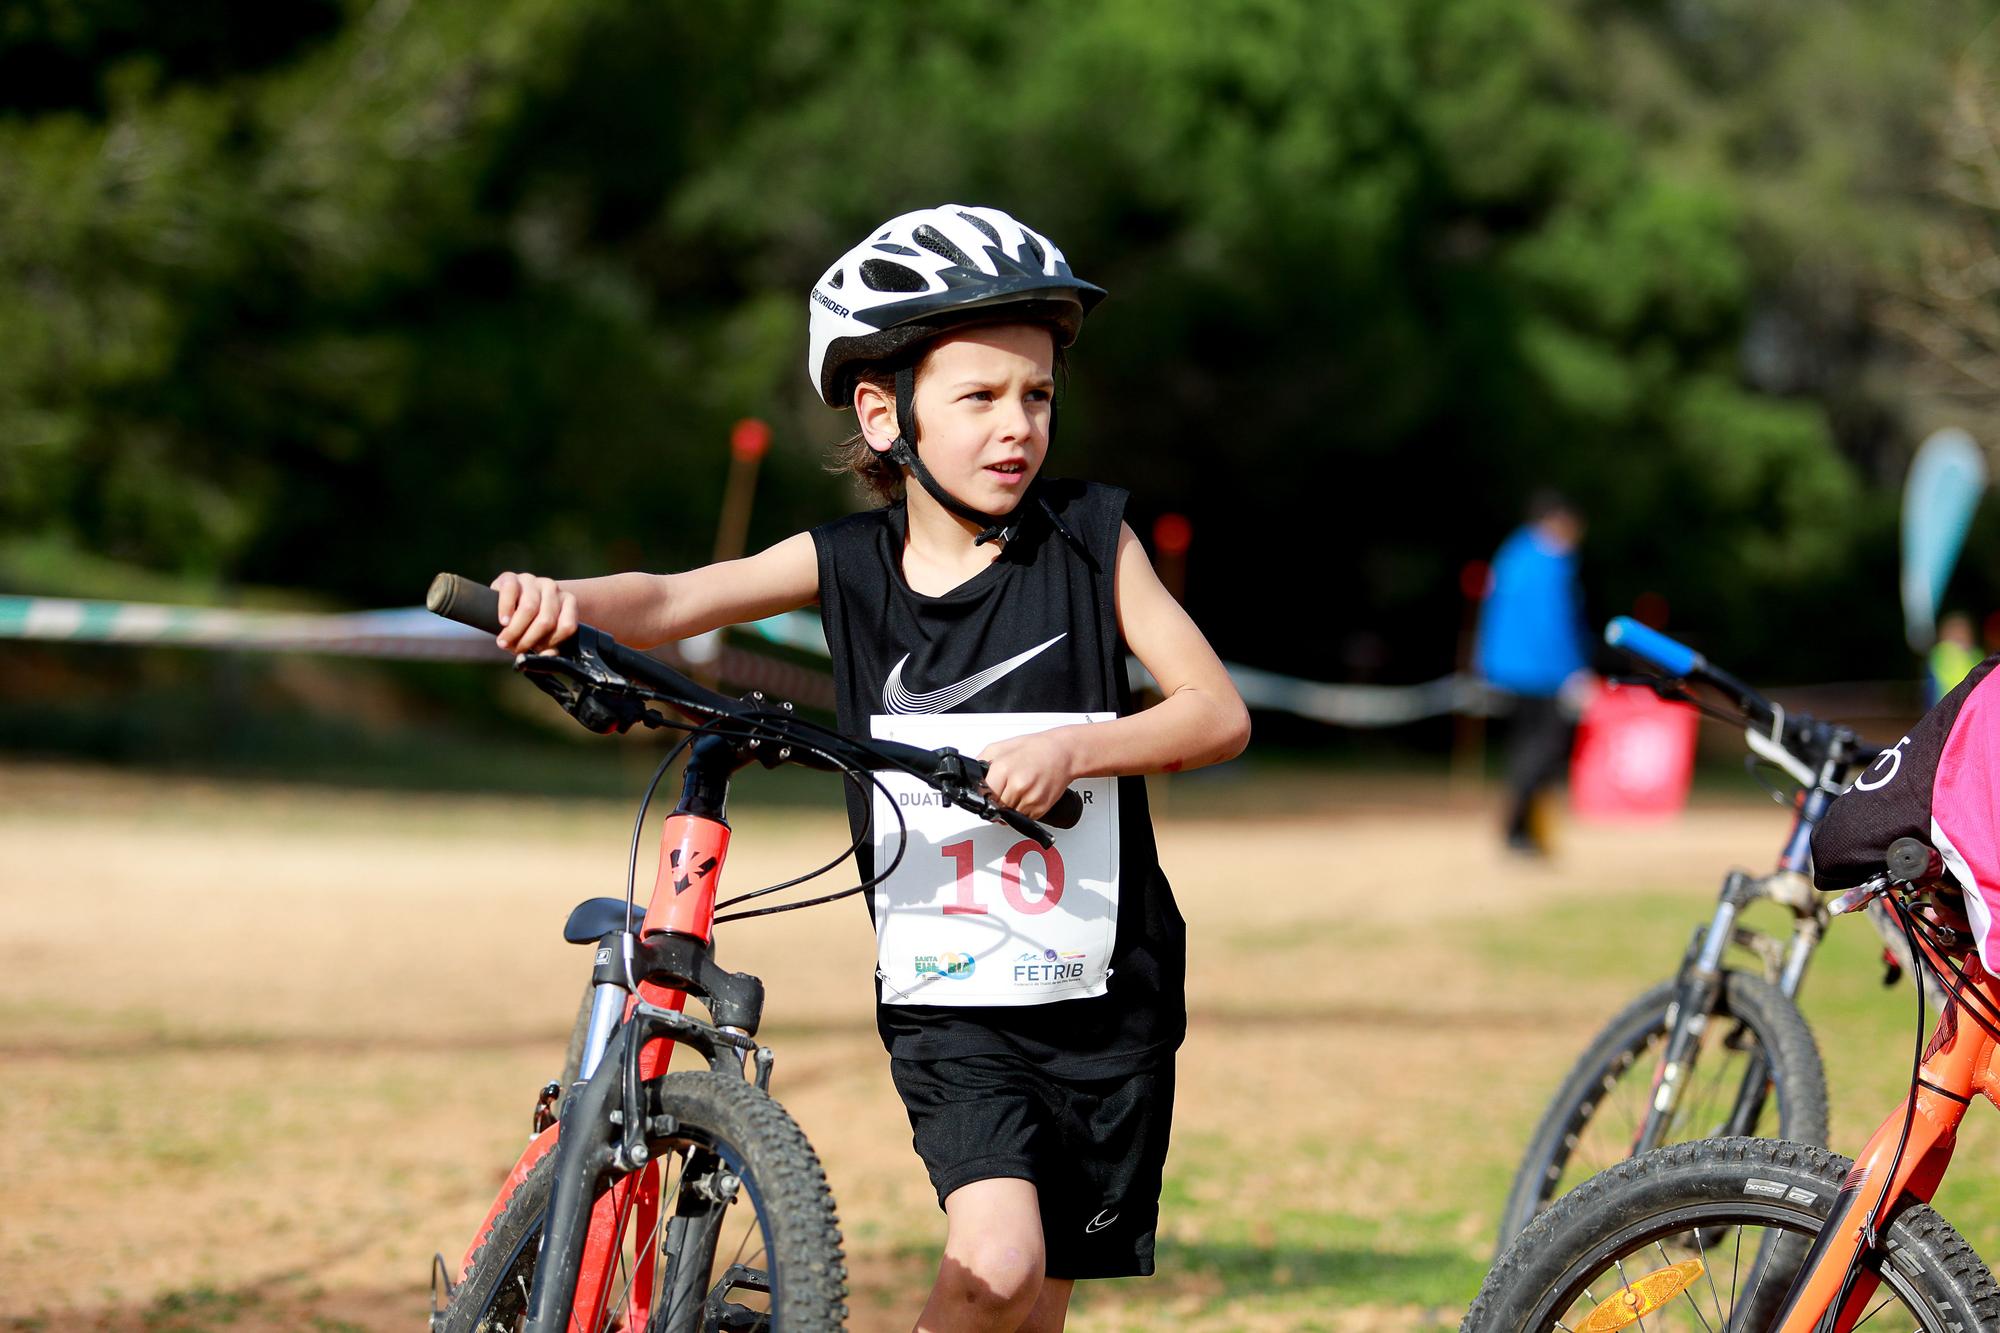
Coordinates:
column 992, row 233
column 838, row 280
column 939, row 244
column 891, row 248
column 1034, row 248
column 883, row 276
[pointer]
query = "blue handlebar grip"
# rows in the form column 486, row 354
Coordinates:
column 1643, row 641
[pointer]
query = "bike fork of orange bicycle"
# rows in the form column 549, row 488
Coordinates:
column 1890, row 1168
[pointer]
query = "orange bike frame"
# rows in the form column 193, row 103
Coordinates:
column 692, row 851
column 1959, row 1061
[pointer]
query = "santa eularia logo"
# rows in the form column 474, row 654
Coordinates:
column 950, row 966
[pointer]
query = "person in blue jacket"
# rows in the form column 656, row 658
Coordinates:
column 1532, row 648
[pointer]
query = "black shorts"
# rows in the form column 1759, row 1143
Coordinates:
column 1093, row 1148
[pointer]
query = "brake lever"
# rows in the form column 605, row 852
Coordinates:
column 958, row 782
column 600, row 699
column 1855, row 899
column 1860, row 896
column 1023, row 825
column 1671, row 688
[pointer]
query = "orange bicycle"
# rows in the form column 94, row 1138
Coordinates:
column 1764, row 1236
column 685, row 1201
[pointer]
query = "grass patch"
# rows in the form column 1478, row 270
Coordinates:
column 1866, row 1031
column 196, row 1309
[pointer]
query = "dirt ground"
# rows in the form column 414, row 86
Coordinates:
column 268, row 1049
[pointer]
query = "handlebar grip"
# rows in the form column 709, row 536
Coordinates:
column 1912, row 861
column 1066, row 811
column 1063, row 814
column 458, row 598
column 1648, row 644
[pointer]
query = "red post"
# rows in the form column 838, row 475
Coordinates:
column 1172, row 535
column 748, row 441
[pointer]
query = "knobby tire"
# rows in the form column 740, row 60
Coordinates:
column 781, row 1180
column 1749, row 1209
column 1594, row 1117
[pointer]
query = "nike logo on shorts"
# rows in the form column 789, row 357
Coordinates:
column 1101, row 1221
column 899, row 701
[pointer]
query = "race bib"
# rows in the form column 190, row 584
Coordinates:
column 975, row 913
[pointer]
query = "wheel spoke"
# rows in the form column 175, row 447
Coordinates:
column 1735, row 1268
column 640, row 1250
column 1877, row 1310
column 1708, row 1271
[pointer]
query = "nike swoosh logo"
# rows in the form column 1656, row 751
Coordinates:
column 1099, row 1222
column 897, row 700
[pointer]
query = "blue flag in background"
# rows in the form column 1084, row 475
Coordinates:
column 1946, row 479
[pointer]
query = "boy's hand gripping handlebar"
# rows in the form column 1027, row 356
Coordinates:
column 958, row 777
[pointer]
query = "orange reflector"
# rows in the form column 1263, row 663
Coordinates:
column 1631, row 1303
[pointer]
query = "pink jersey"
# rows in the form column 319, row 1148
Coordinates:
column 1941, row 785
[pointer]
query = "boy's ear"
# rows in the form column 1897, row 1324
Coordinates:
column 875, row 409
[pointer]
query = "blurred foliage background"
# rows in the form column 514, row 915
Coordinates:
column 326, row 296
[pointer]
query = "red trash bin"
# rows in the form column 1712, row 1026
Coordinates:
column 1634, row 757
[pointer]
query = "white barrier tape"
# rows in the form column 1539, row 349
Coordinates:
column 415, row 632
column 406, row 632
column 1366, row 706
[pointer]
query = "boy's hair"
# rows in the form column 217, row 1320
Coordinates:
column 881, row 477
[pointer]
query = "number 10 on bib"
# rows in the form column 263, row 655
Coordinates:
column 976, row 914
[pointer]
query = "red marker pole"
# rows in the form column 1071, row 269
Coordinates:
column 748, row 440
column 1172, row 535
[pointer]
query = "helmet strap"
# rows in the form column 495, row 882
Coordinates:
column 903, row 452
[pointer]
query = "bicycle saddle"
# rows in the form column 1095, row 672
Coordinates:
column 594, row 918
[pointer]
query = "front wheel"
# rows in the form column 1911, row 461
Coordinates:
column 1746, row 1210
column 744, row 1235
column 1755, row 1070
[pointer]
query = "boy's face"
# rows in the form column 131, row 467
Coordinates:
column 983, row 398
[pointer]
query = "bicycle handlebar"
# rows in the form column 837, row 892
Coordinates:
column 1817, row 740
column 1677, row 659
column 1643, row 641
column 1913, row 861
column 958, row 776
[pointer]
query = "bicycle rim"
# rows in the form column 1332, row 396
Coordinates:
column 1731, row 1069
column 1748, row 1255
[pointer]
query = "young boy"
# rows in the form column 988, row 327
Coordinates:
column 1031, row 1036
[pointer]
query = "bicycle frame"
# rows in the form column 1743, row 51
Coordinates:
column 1701, row 970
column 1960, row 1059
column 643, row 981
column 642, row 986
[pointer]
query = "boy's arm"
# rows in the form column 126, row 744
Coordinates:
column 648, row 609
column 1200, row 720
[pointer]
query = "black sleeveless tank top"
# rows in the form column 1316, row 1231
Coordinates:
column 1046, row 584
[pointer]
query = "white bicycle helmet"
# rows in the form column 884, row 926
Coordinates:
column 929, row 271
